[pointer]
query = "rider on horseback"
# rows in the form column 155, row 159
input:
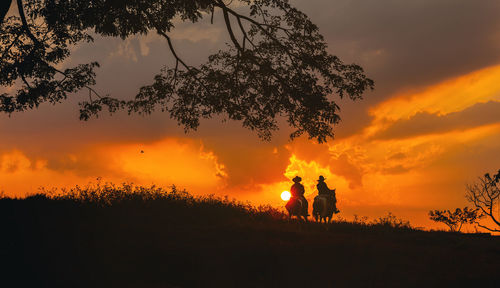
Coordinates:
column 323, row 190
column 298, row 191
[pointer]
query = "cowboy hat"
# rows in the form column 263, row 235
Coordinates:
column 297, row 179
column 321, row 178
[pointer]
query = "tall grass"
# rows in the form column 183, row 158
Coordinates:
column 133, row 201
column 135, row 198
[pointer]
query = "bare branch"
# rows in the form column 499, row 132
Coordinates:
column 489, row 229
column 174, row 53
column 260, row 26
column 179, row 60
column 244, row 32
column 485, row 195
column 212, row 16
column 230, row 29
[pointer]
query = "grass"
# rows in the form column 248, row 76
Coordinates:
column 130, row 236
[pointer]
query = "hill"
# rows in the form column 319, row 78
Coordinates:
column 126, row 236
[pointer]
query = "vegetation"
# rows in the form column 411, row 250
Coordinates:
column 128, row 236
column 485, row 196
column 276, row 63
column 455, row 220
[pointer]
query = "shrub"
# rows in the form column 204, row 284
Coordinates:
column 455, row 220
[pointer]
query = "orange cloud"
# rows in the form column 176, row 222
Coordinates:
column 182, row 162
column 169, row 161
column 446, row 97
column 423, row 123
column 21, row 176
column 453, row 95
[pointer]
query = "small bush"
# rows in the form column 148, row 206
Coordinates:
column 390, row 220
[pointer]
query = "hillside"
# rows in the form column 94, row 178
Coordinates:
column 107, row 236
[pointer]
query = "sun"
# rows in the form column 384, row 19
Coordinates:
column 285, row 195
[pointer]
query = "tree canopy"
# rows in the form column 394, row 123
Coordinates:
column 275, row 65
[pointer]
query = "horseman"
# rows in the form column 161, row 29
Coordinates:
column 297, row 192
column 323, row 190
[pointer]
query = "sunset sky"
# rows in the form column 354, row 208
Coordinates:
column 431, row 125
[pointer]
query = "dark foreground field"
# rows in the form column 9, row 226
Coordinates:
column 105, row 237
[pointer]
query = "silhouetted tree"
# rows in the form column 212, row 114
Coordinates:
column 485, row 195
column 276, row 63
column 455, row 219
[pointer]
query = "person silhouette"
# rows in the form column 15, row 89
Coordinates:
column 323, row 190
column 297, row 190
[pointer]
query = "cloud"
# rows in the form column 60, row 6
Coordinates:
column 424, row 123
column 13, row 162
column 450, row 96
column 183, row 162
column 247, row 166
column 343, row 166
column 410, row 43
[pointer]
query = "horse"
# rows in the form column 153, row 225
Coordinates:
column 294, row 206
column 324, row 207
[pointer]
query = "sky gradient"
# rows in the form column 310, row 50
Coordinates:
column 431, row 125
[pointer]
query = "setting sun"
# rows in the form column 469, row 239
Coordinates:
column 285, row 195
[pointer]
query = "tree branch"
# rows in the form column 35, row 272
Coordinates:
column 489, row 229
column 230, row 30
column 7, row 49
column 68, row 76
column 4, row 9
column 171, row 46
column 261, row 26
column 25, row 81
column 25, row 24
column 245, row 35
column 179, row 60
column 256, row 23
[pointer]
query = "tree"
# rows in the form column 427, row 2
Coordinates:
column 276, row 64
column 455, row 220
column 485, row 195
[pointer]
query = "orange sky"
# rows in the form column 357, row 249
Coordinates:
column 409, row 147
